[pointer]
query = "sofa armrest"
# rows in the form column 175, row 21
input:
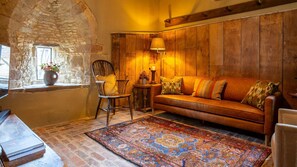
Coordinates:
column 271, row 106
column 155, row 90
column 284, row 148
column 287, row 116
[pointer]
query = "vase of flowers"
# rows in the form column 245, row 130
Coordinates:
column 50, row 76
column 143, row 77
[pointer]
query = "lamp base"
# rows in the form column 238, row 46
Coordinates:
column 153, row 77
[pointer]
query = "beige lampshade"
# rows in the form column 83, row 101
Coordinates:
column 157, row 44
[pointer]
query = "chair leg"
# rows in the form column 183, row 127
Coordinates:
column 98, row 108
column 108, row 111
column 130, row 106
column 114, row 104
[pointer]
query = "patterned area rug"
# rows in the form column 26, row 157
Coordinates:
column 153, row 141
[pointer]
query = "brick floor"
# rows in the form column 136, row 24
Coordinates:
column 78, row 150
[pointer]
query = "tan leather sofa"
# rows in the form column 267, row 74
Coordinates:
column 228, row 111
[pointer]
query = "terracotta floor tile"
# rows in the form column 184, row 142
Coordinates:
column 78, row 150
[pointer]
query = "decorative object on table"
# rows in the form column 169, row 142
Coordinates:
column 153, row 71
column 51, row 71
column 153, row 141
column 143, row 77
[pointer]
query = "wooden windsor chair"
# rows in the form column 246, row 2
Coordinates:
column 100, row 70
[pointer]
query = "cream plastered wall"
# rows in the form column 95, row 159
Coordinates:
column 175, row 8
column 123, row 16
column 47, row 107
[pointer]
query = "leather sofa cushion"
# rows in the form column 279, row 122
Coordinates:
column 237, row 88
column 188, row 84
column 218, row 107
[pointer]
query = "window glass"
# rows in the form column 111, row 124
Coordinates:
column 4, row 69
column 44, row 54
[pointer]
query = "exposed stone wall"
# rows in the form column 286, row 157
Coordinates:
column 68, row 24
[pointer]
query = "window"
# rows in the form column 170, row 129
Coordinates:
column 44, row 54
column 27, row 72
column 4, row 65
column 4, row 62
column 4, row 69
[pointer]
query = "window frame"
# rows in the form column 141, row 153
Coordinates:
column 53, row 52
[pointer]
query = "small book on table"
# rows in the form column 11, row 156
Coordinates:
column 22, row 150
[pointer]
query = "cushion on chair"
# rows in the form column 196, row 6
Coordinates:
column 209, row 89
column 171, row 86
column 257, row 93
column 110, row 86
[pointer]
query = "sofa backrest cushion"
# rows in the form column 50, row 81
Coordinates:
column 210, row 89
column 171, row 86
column 188, row 84
column 237, row 87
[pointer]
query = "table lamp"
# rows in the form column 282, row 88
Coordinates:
column 156, row 45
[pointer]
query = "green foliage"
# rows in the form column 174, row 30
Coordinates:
column 50, row 67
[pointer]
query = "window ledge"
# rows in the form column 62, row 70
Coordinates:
column 42, row 87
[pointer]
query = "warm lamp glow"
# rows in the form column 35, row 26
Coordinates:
column 157, row 44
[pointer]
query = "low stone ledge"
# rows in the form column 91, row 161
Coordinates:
column 42, row 87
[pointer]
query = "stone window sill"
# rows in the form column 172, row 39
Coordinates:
column 42, row 87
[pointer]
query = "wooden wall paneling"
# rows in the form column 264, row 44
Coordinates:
column 122, row 72
column 191, row 57
column 203, row 50
column 232, row 48
column 115, row 53
column 271, row 43
column 290, row 57
column 225, row 11
column 250, row 47
column 180, row 53
column 130, row 60
column 169, row 58
column 147, row 59
column 159, row 58
column 139, row 56
column 216, row 49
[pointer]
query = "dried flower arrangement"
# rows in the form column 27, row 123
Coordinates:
column 50, row 67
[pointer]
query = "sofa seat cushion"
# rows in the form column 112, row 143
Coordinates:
column 222, row 107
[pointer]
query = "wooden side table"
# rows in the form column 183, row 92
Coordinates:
column 141, row 96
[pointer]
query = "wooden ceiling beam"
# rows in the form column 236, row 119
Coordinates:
column 225, row 11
